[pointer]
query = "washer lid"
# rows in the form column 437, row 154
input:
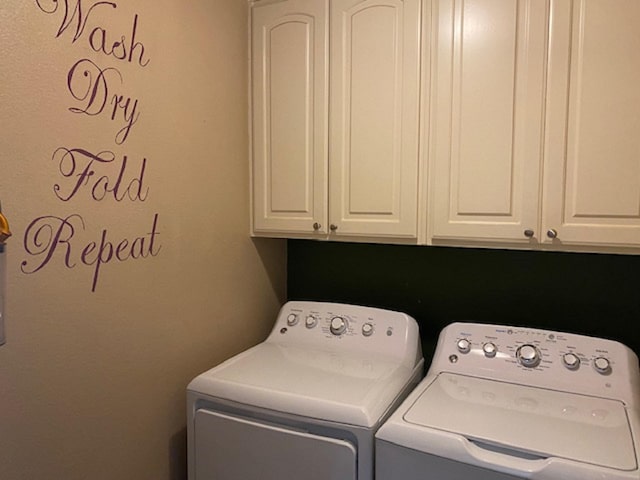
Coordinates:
column 354, row 389
column 530, row 420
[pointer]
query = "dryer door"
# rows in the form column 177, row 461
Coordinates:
column 231, row 448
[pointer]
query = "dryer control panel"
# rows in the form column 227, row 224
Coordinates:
column 342, row 327
column 548, row 359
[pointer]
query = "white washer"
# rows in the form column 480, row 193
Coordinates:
column 306, row 402
column 503, row 403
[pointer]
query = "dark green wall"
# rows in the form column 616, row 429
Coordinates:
column 591, row 294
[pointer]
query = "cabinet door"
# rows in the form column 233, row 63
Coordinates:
column 486, row 127
column 592, row 169
column 289, row 115
column 374, row 106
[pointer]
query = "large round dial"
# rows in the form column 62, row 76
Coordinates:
column 528, row 356
column 338, row 325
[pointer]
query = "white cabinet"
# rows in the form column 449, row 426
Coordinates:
column 536, row 126
column 488, row 100
column 529, row 111
column 289, row 115
column 591, row 191
column 361, row 177
column 374, row 109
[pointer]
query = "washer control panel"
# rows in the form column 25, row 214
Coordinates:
column 536, row 357
column 336, row 326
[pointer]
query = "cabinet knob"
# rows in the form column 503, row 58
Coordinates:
column 333, row 227
column 529, row 233
column 551, row 233
column 317, row 226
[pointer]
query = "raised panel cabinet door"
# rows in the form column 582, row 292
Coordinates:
column 487, row 115
column 592, row 169
column 289, row 116
column 374, row 109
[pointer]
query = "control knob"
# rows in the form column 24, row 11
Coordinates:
column 310, row 321
column 464, row 345
column 602, row 365
column 571, row 361
column 367, row 329
column 292, row 319
column 490, row 349
column 528, row 356
column 338, row 325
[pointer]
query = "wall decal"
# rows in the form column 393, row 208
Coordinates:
column 92, row 87
column 79, row 166
column 96, row 89
column 76, row 16
column 46, row 235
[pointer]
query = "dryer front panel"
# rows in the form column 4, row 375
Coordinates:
column 232, row 448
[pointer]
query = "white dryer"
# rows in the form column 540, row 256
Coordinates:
column 504, row 403
column 305, row 403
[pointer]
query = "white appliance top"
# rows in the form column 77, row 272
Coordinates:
column 536, row 421
column 327, row 361
column 526, row 402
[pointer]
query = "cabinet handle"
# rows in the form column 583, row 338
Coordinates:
column 529, row 233
column 317, row 226
column 551, row 233
column 333, row 227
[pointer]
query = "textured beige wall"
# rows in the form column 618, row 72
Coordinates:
column 92, row 383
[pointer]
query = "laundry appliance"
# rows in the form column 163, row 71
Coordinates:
column 504, row 403
column 306, row 402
